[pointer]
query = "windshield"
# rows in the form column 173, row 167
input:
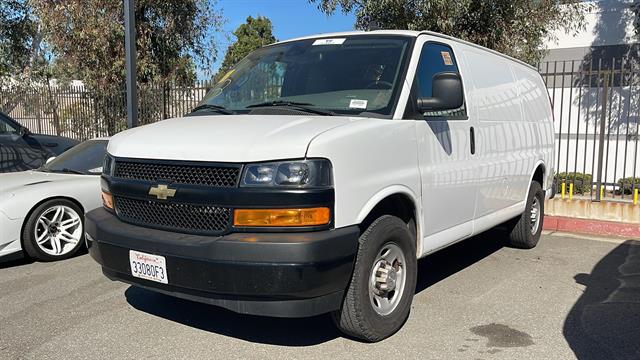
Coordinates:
column 84, row 158
column 347, row 75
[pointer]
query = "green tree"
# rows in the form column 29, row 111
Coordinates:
column 87, row 36
column 253, row 34
column 19, row 38
column 515, row 27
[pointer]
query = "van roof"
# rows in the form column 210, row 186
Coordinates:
column 408, row 33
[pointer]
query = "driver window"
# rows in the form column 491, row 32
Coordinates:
column 6, row 128
column 436, row 58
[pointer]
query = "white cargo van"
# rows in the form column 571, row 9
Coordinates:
column 317, row 171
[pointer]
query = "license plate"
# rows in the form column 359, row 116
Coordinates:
column 147, row 266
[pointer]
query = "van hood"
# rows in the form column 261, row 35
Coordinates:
column 224, row 138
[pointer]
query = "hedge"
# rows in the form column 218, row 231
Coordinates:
column 581, row 182
column 627, row 186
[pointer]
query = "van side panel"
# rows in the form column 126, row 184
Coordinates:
column 538, row 118
column 501, row 136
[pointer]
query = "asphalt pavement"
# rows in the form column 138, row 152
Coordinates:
column 569, row 297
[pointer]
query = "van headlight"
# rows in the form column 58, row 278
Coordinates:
column 314, row 173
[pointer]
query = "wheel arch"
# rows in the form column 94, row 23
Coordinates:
column 398, row 201
column 539, row 174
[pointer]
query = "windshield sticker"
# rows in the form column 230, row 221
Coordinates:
column 226, row 76
column 339, row 41
column 358, row 104
column 446, row 57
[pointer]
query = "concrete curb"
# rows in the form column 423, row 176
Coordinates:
column 594, row 227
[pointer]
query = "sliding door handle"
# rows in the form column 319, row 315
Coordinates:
column 472, row 134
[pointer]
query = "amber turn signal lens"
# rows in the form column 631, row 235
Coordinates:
column 281, row 217
column 107, row 200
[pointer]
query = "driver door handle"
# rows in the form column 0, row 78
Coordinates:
column 472, row 135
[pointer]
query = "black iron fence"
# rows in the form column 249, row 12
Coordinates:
column 79, row 113
column 597, row 112
column 596, row 106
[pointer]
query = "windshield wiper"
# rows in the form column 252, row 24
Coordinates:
column 307, row 107
column 213, row 108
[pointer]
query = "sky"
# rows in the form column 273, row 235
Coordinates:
column 290, row 19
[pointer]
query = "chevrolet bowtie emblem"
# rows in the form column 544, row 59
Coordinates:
column 162, row 192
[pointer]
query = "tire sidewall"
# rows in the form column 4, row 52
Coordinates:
column 535, row 191
column 387, row 229
column 28, row 231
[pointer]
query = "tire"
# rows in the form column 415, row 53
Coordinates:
column 359, row 316
column 523, row 233
column 59, row 223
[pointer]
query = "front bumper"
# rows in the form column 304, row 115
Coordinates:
column 271, row 274
column 9, row 235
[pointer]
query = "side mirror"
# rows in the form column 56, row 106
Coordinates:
column 50, row 159
column 24, row 132
column 446, row 93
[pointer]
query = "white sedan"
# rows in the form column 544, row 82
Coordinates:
column 42, row 211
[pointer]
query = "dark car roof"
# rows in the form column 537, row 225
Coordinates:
column 10, row 120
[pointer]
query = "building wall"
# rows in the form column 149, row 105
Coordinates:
column 609, row 30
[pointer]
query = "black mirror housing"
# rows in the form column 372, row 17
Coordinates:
column 24, row 131
column 447, row 93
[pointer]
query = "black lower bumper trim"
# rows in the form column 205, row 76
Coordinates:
column 275, row 308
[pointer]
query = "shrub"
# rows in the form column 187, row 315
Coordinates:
column 581, row 182
column 627, row 185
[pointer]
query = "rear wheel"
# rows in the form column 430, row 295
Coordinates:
column 378, row 299
column 54, row 230
column 526, row 229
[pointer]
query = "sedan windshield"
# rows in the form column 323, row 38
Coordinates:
column 85, row 158
column 344, row 75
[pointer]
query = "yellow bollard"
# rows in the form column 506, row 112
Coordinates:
column 601, row 192
column 635, row 197
column 571, row 191
column 563, row 190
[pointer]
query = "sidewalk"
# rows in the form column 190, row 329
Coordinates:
column 596, row 218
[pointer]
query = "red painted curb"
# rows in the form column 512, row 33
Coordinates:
column 594, row 227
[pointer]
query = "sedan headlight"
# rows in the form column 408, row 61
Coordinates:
column 315, row 173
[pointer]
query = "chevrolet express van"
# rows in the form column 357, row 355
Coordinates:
column 313, row 176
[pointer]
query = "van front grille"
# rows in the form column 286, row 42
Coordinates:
column 213, row 176
column 186, row 218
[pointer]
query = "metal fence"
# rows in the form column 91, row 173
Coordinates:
column 79, row 113
column 597, row 112
column 596, row 106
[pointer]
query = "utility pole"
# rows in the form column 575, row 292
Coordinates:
column 130, row 55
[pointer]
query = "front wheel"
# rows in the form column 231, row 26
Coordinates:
column 382, row 286
column 54, row 230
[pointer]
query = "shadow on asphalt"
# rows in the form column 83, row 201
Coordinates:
column 605, row 321
column 13, row 260
column 20, row 259
column 275, row 331
column 446, row 262
column 304, row 331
